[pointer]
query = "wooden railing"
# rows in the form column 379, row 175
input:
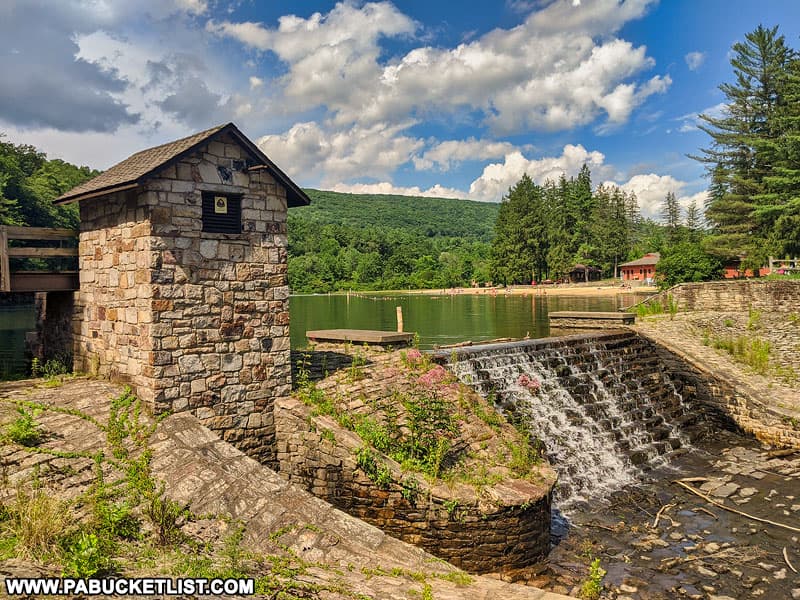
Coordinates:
column 34, row 234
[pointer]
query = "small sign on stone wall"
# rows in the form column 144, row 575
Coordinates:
column 221, row 205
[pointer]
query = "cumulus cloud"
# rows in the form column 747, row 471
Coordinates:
column 49, row 84
column 44, row 83
column 447, row 155
column 497, row 178
column 651, row 189
column 384, row 187
column 338, row 155
column 548, row 73
column 694, row 60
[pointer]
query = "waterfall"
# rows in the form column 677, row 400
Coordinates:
column 603, row 407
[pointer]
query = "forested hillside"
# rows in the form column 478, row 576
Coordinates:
column 358, row 241
column 28, row 184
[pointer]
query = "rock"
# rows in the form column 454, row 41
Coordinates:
column 724, row 491
column 780, row 574
column 711, row 547
column 675, row 536
column 628, row 589
column 796, row 594
column 713, row 597
column 748, row 491
column 706, row 572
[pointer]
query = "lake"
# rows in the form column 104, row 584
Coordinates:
column 14, row 322
column 439, row 320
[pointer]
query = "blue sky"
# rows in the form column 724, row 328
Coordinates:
column 433, row 98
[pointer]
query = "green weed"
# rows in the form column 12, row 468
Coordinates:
column 24, row 430
column 593, row 586
column 85, row 556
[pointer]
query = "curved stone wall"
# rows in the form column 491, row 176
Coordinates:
column 508, row 529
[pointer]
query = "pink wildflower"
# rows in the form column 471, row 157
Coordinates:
column 528, row 383
column 413, row 357
column 435, row 375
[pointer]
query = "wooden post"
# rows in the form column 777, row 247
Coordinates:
column 5, row 270
column 400, row 319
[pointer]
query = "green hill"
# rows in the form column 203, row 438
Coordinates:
column 442, row 217
column 370, row 241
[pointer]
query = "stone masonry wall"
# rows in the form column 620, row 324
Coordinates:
column 768, row 295
column 480, row 537
column 726, row 393
column 196, row 321
column 113, row 305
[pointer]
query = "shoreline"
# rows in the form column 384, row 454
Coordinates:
column 566, row 289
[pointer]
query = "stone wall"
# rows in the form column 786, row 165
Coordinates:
column 111, row 334
column 54, row 311
column 767, row 295
column 195, row 321
column 508, row 530
column 726, row 393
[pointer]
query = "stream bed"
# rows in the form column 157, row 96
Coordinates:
column 696, row 550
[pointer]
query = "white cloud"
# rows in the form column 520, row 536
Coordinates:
column 548, row 73
column 694, row 60
column 255, row 82
column 689, row 122
column 446, row 155
column 336, row 155
column 651, row 189
column 498, row 177
column 384, row 187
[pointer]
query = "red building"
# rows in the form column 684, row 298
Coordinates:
column 640, row 269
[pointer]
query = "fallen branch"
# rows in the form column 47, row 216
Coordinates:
column 781, row 453
column 733, row 510
column 693, row 479
column 708, row 512
column 786, row 558
column 614, row 529
column 660, row 512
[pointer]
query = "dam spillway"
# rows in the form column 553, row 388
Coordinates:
column 604, row 406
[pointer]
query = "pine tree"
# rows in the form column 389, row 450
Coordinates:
column 671, row 215
column 694, row 221
column 759, row 64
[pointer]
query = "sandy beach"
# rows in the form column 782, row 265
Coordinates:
column 598, row 288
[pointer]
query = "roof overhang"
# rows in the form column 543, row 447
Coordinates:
column 295, row 196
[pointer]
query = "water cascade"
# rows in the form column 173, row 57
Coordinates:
column 602, row 405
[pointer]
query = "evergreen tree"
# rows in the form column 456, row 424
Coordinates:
column 693, row 221
column 671, row 215
column 733, row 159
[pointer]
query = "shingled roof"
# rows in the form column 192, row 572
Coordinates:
column 651, row 258
column 132, row 171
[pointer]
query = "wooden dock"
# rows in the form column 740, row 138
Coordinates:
column 360, row 336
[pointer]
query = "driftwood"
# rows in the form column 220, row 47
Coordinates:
column 781, row 453
column 734, row 510
column 660, row 512
column 786, row 558
column 708, row 512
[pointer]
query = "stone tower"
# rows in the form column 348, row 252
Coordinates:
column 183, row 289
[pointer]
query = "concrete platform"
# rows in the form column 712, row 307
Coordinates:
column 573, row 319
column 360, row 336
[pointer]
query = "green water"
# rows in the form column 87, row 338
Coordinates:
column 438, row 320
column 441, row 320
column 14, row 322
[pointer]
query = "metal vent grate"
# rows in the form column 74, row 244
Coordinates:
column 222, row 213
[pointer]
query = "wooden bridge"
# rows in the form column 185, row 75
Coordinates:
column 40, row 243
